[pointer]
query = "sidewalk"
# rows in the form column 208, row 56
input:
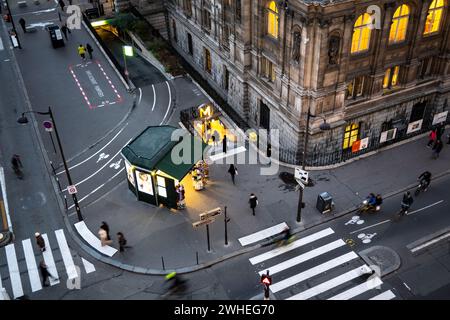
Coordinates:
column 159, row 235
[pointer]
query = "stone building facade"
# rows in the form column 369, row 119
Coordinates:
column 370, row 68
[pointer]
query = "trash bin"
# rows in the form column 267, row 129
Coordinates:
column 56, row 36
column 324, row 202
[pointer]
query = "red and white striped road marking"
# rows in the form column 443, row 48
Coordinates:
column 80, row 87
column 109, row 81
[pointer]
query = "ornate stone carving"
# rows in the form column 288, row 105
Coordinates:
column 296, row 41
column 333, row 49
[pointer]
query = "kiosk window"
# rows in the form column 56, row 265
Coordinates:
column 161, row 186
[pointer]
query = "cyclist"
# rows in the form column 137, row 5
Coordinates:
column 406, row 202
column 425, row 179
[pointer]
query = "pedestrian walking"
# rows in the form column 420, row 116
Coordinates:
column 431, row 138
column 224, row 143
column 253, row 202
column 61, row 4
column 122, row 241
column 23, row 24
column 105, row 227
column 440, row 131
column 45, row 274
column 233, row 172
column 40, row 241
column 437, row 148
column 89, row 50
column 64, row 30
column 82, row 52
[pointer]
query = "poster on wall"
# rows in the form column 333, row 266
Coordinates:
column 129, row 169
column 388, row 135
column 414, row 126
column 360, row 144
column 144, row 182
column 440, row 117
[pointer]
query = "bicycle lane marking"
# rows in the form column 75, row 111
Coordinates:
column 409, row 213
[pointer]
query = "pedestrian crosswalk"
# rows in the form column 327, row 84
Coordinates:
column 320, row 266
column 19, row 264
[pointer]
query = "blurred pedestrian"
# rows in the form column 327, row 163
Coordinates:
column 437, row 148
column 253, row 202
column 82, row 52
column 64, row 30
column 232, row 171
column 105, row 227
column 122, row 241
column 89, row 50
column 61, row 4
column 431, row 138
column 224, row 143
column 23, row 24
column 440, row 131
column 45, row 273
column 40, row 241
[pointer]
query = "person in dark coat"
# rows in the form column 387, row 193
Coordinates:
column 122, row 241
column 440, row 131
column 232, row 171
column 61, row 4
column 224, row 143
column 64, row 30
column 45, row 273
column 105, row 227
column 23, row 24
column 89, row 50
column 437, row 148
column 40, row 241
column 253, row 202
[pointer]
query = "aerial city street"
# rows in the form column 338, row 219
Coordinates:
column 230, row 150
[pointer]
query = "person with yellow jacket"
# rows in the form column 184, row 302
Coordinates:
column 82, row 52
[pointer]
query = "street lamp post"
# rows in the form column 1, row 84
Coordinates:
column 23, row 120
column 127, row 51
column 324, row 126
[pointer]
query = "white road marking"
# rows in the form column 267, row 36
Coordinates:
column 33, row 273
column 325, row 286
column 95, row 242
column 387, row 295
column 1, row 45
column 407, row 286
column 429, row 243
column 76, row 165
column 298, row 243
column 66, row 255
column 154, row 97
column 333, row 263
column 268, row 232
column 418, row 210
column 304, row 257
column 89, row 267
column 49, row 261
column 168, row 106
column 92, row 175
column 14, row 272
column 373, row 225
column 140, row 96
column 228, row 153
column 359, row 289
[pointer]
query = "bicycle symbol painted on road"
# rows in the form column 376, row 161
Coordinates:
column 115, row 165
column 102, row 156
column 366, row 238
column 355, row 219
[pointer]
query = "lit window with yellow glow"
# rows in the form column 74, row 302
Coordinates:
column 350, row 135
column 272, row 19
column 361, row 33
column 391, row 77
column 434, row 17
column 399, row 24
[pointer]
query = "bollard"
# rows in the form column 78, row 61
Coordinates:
column 162, row 260
column 65, row 201
column 59, row 185
column 196, row 254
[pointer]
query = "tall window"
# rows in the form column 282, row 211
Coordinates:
column 399, row 24
column 391, row 77
column 174, row 27
column 208, row 64
column 190, row 46
column 425, row 68
column 350, row 135
column 238, row 10
column 226, row 78
column 361, row 33
column 206, row 15
column 434, row 17
column 272, row 19
column 268, row 69
column 355, row 88
column 187, row 7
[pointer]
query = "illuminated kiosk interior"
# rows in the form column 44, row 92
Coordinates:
column 208, row 124
column 152, row 172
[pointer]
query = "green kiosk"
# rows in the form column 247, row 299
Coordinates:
column 157, row 160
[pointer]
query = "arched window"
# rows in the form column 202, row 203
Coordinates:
column 361, row 33
column 434, row 17
column 399, row 24
column 272, row 19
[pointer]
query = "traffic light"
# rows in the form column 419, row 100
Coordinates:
column 266, row 279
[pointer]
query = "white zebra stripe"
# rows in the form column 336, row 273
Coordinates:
column 66, row 255
column 14, row 272
column 359, row 289
column 49, row 261
column 387, row 295
column 33, row 274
